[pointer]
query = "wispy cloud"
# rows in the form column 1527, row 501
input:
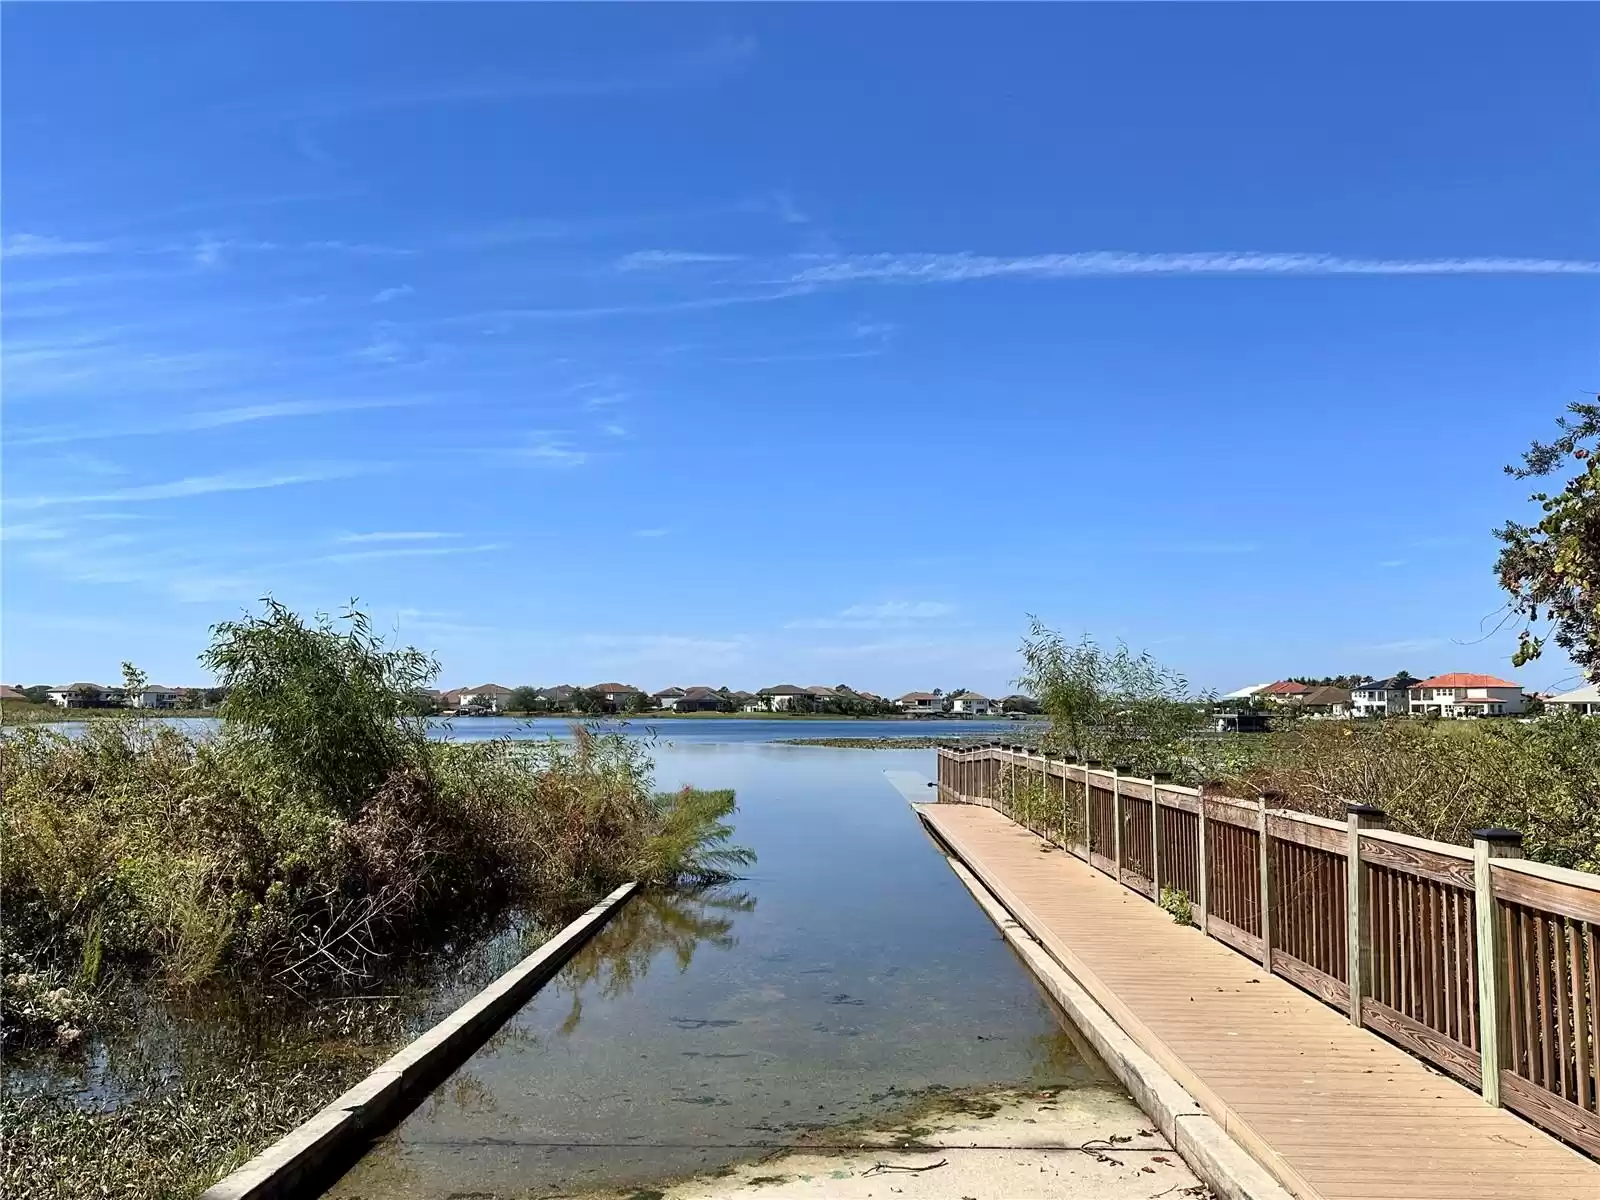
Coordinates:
column 552, row 450
column 34, row 245
column 203, row 485
column 964, row 267
column 1393, row 562
column 397, row 535
column 613, row 429
column 193, row 422
column 651, row 533
column 406, row 552
column 385, row 295
column 641, row 260
column 891, row 614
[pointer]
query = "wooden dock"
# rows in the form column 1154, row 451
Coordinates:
column 1332, row 1110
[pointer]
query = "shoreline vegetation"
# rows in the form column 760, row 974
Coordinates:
column 318, row 845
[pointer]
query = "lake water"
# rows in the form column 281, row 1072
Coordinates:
column 847, row 976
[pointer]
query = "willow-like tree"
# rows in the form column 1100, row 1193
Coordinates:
column 1552, row 568
column 1110, row 704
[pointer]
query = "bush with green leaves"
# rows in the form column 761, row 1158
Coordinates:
column 320, row 834
column 1113, row 704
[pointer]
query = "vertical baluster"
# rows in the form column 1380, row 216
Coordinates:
column 1358, row 954
column 1490, row 951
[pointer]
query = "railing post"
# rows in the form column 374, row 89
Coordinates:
column 1088, row 812
column 1066, row 839
column 1358, row 941
column 1156, row 780
column 1264, row 860
column 1203, row 875
column 1116, row 821
column 1487, row 845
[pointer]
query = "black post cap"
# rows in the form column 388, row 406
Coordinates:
column 1092, row 762
column 1072, row 758
column 1122, row 767
column 1161, row 776
column 1364, row 810
column 1499, row 837
column 1271, row 796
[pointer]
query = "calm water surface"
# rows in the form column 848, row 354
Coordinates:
column 850, row 972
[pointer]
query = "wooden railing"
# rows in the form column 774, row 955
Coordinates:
column 1483, row 964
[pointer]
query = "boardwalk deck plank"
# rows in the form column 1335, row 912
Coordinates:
column 1335, row 1111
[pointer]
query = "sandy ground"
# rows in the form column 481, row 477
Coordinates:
column 996, row 1145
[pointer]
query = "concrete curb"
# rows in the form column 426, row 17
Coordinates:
column 1220, row 1162
column 387, row 1094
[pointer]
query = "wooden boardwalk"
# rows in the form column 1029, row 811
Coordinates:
column 1335, row 1112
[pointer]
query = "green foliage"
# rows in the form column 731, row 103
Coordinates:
column 134, row 681
column 1176, row 904
column 1435, row 779
column 1112, row 705
column 1552, row 569
column 321, row 832
column 330, row 708
column 37, row 694
column 524, row 700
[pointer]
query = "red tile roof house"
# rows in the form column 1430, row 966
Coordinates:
column 7, row 692
column 1461, row 694
column 1285, row 691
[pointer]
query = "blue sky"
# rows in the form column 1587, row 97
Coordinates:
column 746, row 345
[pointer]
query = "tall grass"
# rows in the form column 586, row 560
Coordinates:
column 320, row 834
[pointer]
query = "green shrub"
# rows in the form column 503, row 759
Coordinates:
column 320, row 833
column 1176, row 904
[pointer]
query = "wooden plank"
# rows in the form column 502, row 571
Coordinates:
column 1551, row 1112
column 1230, row 812
column 1397, row 856
column 1335, row 1111
column 1241, row 940
column 1444, row 1052
column 1306, row 977
column 1512, row 883
column 1137, row 882
column 1178, row 800
column 1101, row 863
column 1138, row 789
column 1319, row 837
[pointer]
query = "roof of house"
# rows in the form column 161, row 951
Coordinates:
column 1326, row 695
column 484, row 689
column 916, row 697
column 672, row 692
column 1393, row 683
column 1465, row 679
column 742, row 695
column 700, row 693
column 7, row 692
column 1245, row 693
column 78, row 687
column 784, row 689
column 821, row 689
column 1285, row 687
column 613, row 687
column 1589, row 693
column 970, row 696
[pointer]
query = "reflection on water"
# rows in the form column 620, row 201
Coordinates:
column 850, row 974
column 615, row 958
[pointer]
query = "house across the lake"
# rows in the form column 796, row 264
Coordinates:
column 1462, row 694
column 971, row 704
column 921, row 704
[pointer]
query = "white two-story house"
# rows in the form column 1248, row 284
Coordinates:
column 1460, row 694
column 1389, row 697
column 971, row 704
